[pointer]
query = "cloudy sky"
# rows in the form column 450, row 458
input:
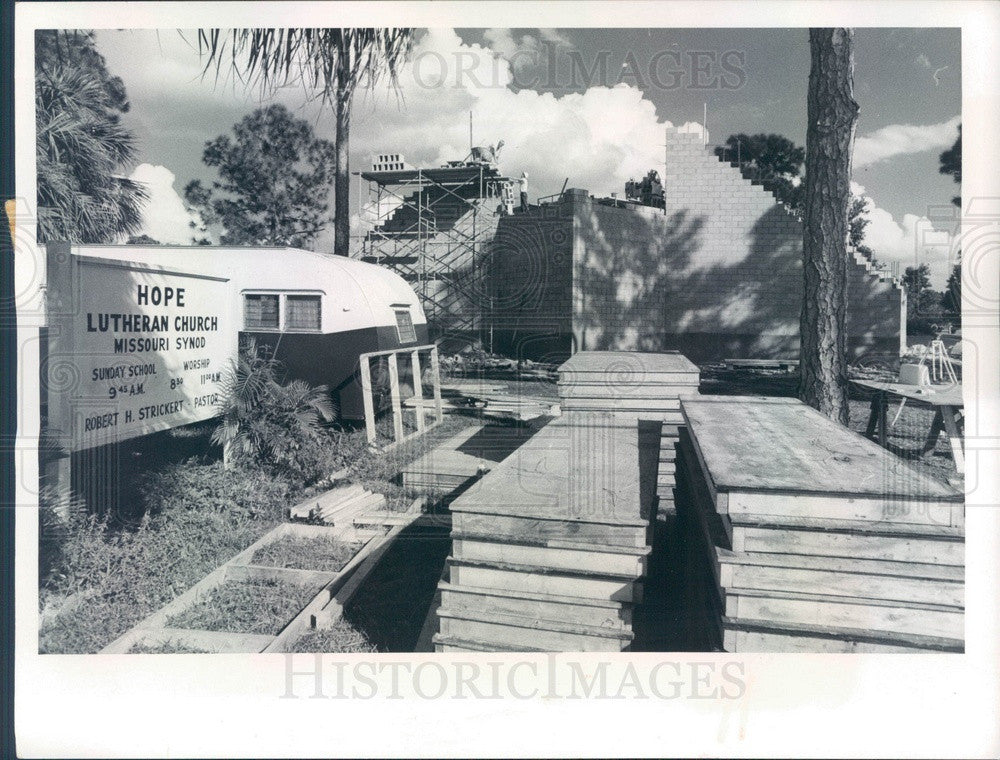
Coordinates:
column 589, row 105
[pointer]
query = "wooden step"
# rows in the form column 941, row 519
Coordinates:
column 519, row 526
column 568, row 609
column 836, row 612
column 836, row 576
column 541, row 580
column 763, row 636
column 590, row 560
column 514, row 630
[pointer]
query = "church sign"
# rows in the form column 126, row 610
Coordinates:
column 133, row 348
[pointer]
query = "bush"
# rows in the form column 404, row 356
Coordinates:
column 277, row 426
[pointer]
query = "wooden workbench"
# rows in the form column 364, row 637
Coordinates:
column 946, row 400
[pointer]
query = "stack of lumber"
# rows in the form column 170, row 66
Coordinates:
column 337, row 504
column 641, row 386
column 804, row 536
column 549, row 550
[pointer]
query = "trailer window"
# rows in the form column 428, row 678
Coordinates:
column 302, row 313
column 404, row 326
column 260, row 312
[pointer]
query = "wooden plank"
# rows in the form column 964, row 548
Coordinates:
column 557, row 542
column 536, row 580
column 501, row 631
column 538, row 606
column 306, row 508
column 785, row 573
column 519, row 527
column 444, row 643
column 347, row 510
column 791, row 447
column 863, row 638
column 783, row 642
column 833, row 612
column 650, row 380
column 625, row 363
column 879, row 510
column 216, row 642
column 548, row 557
column 418, row 390
column 436, row 383
column 366, row 395
column 397, row 412
column 751, row 538
column 623, row 403
column 588, row 472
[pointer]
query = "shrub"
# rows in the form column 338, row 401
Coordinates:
column 278, row 426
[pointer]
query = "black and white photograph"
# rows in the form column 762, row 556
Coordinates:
column 643, row 361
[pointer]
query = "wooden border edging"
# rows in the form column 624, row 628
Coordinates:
column 340, row 590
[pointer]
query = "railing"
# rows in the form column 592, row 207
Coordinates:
column 420, row 404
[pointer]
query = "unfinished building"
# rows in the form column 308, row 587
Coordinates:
column 717, row 273
column 708, row 263
column 434, row 228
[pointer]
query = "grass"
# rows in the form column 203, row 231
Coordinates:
column 103, row 578
column 339, row 639
column 264, row 606
column 307, row 553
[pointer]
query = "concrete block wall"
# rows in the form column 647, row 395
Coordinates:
column 531, row 281
column 718, row 275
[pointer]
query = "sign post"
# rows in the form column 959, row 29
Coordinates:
column 132, row 349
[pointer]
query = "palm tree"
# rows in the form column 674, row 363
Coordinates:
column 81, row 145
column 331, row 62
column 261, row 418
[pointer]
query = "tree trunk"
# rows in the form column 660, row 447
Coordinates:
column 342, row 171
column 832, row 114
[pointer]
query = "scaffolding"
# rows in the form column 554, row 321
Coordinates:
column 435, row 227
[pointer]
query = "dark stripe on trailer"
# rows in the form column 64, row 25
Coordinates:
column 332, row 358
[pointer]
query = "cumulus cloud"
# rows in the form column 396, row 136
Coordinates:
column 599, row 138
column 165, row 217
column 900, row 139
column 911, row 242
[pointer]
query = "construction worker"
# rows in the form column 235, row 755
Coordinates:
column 523, row 182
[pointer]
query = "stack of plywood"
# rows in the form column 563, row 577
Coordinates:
column 803, row 536
column 642, row 386
column 550, row 548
